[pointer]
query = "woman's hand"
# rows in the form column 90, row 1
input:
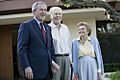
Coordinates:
column 75, row 77
column 99, row 75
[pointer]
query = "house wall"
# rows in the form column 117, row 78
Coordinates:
column 72, row 24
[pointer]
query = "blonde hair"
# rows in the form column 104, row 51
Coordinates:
column 88, row 27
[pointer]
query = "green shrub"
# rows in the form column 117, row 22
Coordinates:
column 115, row 76
column 112, row 67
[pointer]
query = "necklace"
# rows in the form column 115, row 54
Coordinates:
column 83, row 39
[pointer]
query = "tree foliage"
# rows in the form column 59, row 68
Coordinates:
column 114, row 15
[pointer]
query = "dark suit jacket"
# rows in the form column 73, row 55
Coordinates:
column 32, row 50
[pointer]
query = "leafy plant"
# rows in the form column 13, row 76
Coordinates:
column 112, row 67
column 115, row 76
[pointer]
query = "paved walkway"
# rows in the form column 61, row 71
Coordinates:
column 106, row 76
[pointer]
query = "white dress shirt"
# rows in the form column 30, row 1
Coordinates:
column 38, row 22
column 61, row 38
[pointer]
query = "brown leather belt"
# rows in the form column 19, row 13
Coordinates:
column 57, row 55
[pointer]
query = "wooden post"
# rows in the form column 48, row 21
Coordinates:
column 6, row 57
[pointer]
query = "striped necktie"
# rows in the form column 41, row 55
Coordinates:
column 43, row 31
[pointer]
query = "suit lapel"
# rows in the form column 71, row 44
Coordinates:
column 47, row 34
column 37, row 28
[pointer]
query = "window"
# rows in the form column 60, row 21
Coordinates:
column 108, row 34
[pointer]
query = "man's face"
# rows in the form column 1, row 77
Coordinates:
column 57, row 17
column 41, row 12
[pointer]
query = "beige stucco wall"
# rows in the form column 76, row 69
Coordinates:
column 71, row 23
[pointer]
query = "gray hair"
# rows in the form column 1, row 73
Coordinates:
column 55, row 10
column 88, row 27
column 35, row 5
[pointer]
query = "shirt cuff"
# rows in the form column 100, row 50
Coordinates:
column 53, row 62
column 99, row 70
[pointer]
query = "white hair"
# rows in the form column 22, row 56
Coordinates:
column 35, row 5
column 55, row 10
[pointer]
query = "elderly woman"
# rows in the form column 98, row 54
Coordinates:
column 86, row 54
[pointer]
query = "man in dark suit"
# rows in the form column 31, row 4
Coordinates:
column 35, row 46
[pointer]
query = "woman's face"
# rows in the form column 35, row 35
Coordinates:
column 82, row 31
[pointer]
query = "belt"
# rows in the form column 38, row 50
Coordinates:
column 61, row 55
column 85, row 56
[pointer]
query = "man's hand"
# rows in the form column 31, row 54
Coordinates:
column 55, row 68
column 28, row 73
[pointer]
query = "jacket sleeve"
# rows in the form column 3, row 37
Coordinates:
column 22, row 45
column 52, row 47
column 102, row 66
column 74, row 56
column 97, row 48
